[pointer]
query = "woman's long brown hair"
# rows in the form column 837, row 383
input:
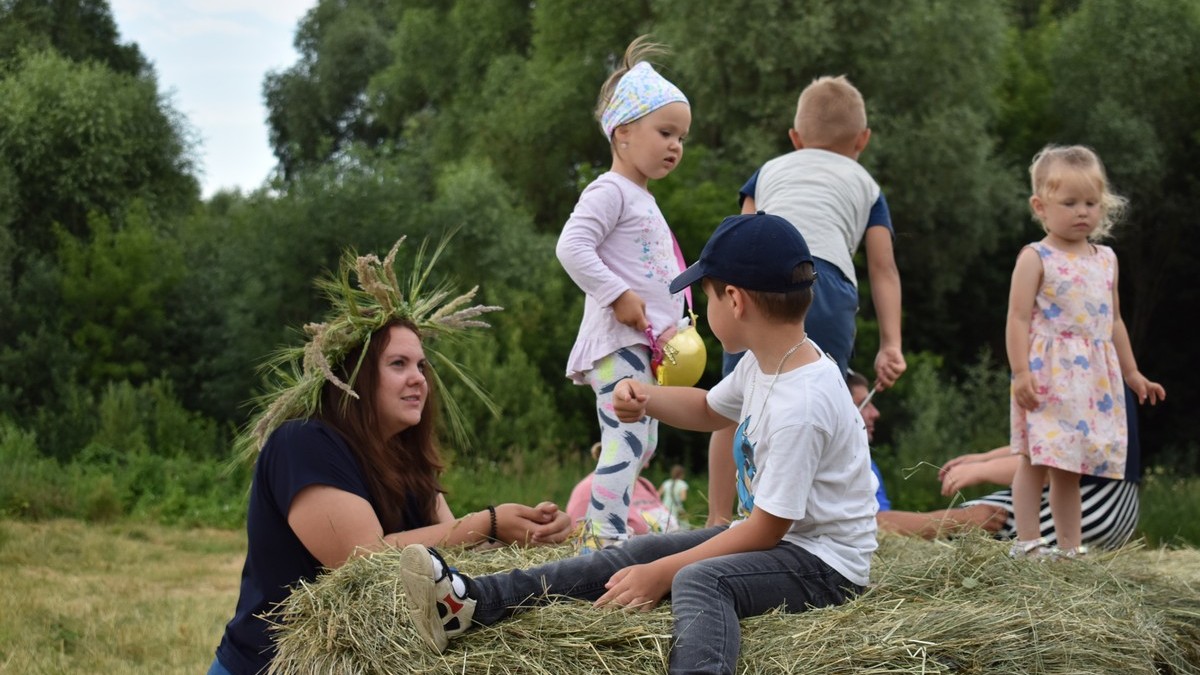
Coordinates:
column 402, row 472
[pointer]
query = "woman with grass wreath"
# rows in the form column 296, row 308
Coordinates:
column 347, row 458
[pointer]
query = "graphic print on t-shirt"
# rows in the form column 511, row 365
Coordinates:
column 743, row 458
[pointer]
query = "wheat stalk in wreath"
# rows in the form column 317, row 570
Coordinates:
column 359, row 308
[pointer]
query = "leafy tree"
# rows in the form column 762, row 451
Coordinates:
column 1138, row 108
column 80, row 30
column 744, row 92
column 78, row 138
column 319, row 107
column 253, row 261
column 115, row 288
column 535, row 119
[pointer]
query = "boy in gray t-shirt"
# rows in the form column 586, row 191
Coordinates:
column 835, row 203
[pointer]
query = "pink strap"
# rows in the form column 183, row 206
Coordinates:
column 656, row 352
column 687, row 292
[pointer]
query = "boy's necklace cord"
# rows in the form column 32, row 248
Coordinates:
column 778, row 369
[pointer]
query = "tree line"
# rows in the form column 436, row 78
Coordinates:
column 133, row 312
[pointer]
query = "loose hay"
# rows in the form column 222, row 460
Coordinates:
column 934, row 607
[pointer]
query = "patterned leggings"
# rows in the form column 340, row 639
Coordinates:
column 625, row 448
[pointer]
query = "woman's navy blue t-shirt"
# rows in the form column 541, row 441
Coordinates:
column 298, row 454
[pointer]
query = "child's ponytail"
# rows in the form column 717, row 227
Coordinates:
column 641, row 49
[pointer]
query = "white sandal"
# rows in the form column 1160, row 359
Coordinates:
column 1037, row 549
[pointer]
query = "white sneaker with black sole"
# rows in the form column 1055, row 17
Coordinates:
column 437, row 596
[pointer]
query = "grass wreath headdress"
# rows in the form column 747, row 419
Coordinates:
column 298, row 374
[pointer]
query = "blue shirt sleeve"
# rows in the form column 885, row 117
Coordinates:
column 881, row 494
column 880, row 216
column 748, row 190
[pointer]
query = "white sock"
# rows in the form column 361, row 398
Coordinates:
column 459, row 586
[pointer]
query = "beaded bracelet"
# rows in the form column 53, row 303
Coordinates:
column 492, row 513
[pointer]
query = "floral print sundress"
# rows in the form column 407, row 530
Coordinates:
column 1079, row 424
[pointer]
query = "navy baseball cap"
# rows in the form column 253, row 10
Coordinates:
column 758, row 252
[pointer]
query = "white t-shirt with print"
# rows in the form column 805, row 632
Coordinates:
column 805, row 457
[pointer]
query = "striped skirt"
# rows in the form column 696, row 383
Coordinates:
column 1110, row 513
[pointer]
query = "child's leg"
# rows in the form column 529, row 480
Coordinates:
column 1027, row 497
column 581, row 577
column 830, row 320
column 709, row 597
column 444, row 603
column 1066, row 507
column 624, row 447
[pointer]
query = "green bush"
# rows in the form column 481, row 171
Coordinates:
column 150, row 418
column 1169, row 507
column 27, row 484
column 522, row 477
column 935, row 418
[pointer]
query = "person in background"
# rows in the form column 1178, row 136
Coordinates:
column 860, row 388
column 673, row 493
column 647, row 513
column 821, row 188
column 617, row 247
column 1110, row 507
column 346, row 459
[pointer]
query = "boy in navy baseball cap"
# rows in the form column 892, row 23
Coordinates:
column 806, row 526
column 755, row 252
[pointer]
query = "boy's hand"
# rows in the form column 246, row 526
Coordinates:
column 889, row 366
column 630, row 309
column 629, row 400
column 1146, row 390
column 639, row 587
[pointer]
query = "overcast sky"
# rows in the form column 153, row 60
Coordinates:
column 211, row 57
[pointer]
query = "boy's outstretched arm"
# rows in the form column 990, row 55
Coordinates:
column 885, row 296
column 680, row 407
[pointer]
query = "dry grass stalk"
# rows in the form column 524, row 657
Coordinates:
column 946, row 607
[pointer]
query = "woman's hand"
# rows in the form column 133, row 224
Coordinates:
column 961, row 459
column 532, row 525
column 960, row 476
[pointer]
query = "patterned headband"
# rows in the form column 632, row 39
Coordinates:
column 640, row 92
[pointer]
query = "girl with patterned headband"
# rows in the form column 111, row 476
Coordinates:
column 619, row 250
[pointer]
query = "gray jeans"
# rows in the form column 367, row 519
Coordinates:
column 708, row 597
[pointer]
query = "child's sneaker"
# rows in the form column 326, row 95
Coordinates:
column 438, row 598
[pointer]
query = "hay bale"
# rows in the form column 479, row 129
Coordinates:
column 960, row 606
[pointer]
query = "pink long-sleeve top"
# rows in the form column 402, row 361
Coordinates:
column 617, row 239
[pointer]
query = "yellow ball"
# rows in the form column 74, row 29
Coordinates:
column 683, row 359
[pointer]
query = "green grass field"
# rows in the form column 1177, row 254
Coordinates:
column 135, row 596
column 115, row 598
column 125, row 598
